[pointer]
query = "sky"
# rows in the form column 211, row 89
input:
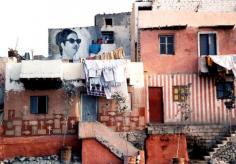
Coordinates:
column 24, row 24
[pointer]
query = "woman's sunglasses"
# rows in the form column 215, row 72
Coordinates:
column 72, row 41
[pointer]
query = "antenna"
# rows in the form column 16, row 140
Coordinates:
column 17, row 40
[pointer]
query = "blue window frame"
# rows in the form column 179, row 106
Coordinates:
column 224, row 90
column 167, row 44
column 208, row 44
column 39, row 104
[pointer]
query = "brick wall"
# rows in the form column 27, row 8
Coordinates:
column 120, row 121
column 18, row 121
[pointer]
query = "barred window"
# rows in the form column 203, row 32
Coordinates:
column 180, row 93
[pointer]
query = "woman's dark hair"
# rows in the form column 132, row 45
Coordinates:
column 62, row 36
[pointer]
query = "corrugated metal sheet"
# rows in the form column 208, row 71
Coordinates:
column 204, row 104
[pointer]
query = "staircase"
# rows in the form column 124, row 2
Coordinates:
column 107, row 137
column 220, row 149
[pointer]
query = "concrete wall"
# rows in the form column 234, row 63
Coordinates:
column 118, row 19
column 185, row 46
column 120, row 27
column 163, row 148
column 94, row 152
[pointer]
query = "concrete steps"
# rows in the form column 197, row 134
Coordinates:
column 224, row 140
column 110, row 139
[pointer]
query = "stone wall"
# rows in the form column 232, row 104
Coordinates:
column 202, row 136
column 225, row 154
column 137, row 138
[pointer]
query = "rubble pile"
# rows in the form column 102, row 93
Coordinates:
column 52, row 159
column 225, row 154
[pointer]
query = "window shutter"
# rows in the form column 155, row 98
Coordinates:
column 204, row 44
column 34, row 104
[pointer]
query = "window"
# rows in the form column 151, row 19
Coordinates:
column 208, row 44
column 38, row 104
column 108, row 37
column 166, row 44
column 224, row 90
column 180, row 93
column 108, row 21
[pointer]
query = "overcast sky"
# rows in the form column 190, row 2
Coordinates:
column 28, row 20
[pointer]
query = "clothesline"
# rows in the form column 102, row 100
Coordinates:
column 106, row 77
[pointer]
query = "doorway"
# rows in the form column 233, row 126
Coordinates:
column 156, row 105
column 89, row 108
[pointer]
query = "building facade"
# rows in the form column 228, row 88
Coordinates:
column 171, row 43
column 116, row 27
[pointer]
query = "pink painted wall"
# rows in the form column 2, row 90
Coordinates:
column 20, row 103
column 185, row 58
column 205, row 107
column 19, row 121
column 95, row 153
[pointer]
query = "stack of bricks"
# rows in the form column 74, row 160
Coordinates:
column 110, row 116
